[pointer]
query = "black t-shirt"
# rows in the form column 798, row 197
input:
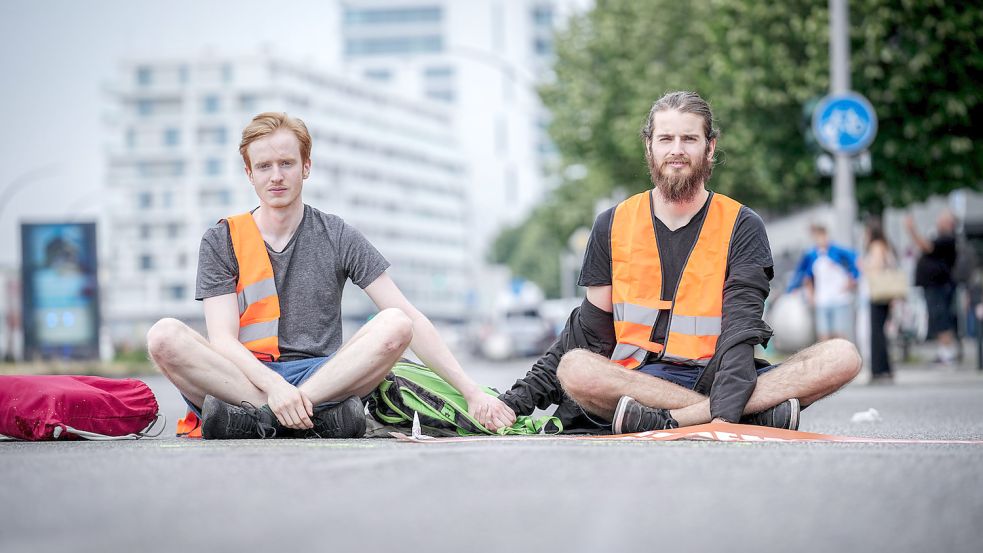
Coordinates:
column 749, row 247
column 935, row 268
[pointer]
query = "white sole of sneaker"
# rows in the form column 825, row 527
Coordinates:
column 619, row 414
column 793, row 420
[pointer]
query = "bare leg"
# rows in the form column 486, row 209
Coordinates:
column 363, row 361
column 596, row 383
column 190, row 363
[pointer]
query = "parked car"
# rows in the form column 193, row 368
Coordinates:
column 513, row 334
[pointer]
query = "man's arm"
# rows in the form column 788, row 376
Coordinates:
column 924, row 245
column 745, row 290
column 292, row 408
column 591, row 327
column 432, row 350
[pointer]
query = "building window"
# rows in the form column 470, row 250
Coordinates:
column 215, row 197
column 172, row 137
column 378, row 74
column 145, row 107
column 146, row 262
column 227, row 73
column 543, row 46
column 145, row 200
column 212, row 135
column 248, row 102
column 210, row 104
column 145, row 76
column 144, row 232
column 175, row 292
column 182, row 74
column 167, row 198
column 131, row 138
column 394, row 45
column 441, row 95
column 213, row 166
column 182, row 260
column 442, row 72
column 173, row 230
column 424, row 14
column 543, row 16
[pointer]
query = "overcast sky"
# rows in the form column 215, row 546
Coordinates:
column 57, row 58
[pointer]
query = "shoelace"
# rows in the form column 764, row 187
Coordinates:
column 250, row 420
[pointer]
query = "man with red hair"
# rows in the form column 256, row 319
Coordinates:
column 271, row 281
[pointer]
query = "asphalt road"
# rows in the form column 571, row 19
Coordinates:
column 382, row 495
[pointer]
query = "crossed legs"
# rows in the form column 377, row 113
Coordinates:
column 196, row 369
column 597, row 384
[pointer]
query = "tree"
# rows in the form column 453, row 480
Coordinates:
column 759, row 64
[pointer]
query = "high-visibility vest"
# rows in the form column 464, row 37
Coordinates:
column 259, row 305
column 695, row 307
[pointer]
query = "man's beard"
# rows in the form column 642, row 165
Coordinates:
column 677, row 189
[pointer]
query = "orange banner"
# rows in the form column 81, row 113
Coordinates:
column 717, row 432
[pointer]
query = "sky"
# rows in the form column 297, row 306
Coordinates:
column 59, row 60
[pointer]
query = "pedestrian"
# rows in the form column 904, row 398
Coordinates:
column 880, row 265
column 271, row 282
column 676, row 280
column 933, row 272
column 828, row 273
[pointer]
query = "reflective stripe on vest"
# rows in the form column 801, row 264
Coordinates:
column 695, row 307
column 259, row 305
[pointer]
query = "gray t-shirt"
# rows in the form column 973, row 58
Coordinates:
column 310, row 275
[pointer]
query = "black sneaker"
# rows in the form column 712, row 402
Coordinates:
column 631, row 416
column 784, row 415
column 222, row 421
column 339, row 420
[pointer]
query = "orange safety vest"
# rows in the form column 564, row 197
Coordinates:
column 259, row 305
column 695, row 307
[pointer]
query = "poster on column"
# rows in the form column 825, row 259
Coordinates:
column 60, row 290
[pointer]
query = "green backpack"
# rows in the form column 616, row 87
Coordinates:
column 412, row 388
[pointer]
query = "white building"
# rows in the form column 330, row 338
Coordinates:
column 386, row 164
column 484, row 59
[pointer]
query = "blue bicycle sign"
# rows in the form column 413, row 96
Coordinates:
column 844, row 123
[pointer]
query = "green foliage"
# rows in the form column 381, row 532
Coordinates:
column 760, row 64
column 920, row 64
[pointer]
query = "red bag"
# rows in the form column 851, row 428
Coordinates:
column 72, row 407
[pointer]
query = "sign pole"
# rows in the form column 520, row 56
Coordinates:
column 844, row 193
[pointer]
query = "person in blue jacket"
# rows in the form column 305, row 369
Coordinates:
column 828, row 273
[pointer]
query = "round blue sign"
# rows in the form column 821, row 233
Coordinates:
column 844, row 123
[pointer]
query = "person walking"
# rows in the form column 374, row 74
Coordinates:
column 878, row 262
column 934, row 274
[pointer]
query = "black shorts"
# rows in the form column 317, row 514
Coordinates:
column 938, row 302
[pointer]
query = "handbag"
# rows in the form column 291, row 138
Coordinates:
column 69, row 407
column 887, row 284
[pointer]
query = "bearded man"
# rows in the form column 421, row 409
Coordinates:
column 676, row 280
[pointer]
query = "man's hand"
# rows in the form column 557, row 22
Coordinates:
column 490, row 411
column 291, row 406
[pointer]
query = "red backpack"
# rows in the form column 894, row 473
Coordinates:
column 71, row 407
